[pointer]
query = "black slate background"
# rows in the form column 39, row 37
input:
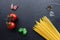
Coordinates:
column 28, row 12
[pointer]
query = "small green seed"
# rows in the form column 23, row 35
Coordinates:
column 20, row 29
column 24, row 31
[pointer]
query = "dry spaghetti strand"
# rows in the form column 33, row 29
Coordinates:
column 46, row 29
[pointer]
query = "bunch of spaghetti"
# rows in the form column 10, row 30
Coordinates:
column 46, row 29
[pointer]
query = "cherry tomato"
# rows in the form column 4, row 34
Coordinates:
column 11, row 25
column 12, row 17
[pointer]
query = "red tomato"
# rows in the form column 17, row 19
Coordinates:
column 12, row 17
column 11, row 25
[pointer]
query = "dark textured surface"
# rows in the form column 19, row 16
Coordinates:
column 28, row 12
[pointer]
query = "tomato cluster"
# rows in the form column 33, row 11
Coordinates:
column 12, row 17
